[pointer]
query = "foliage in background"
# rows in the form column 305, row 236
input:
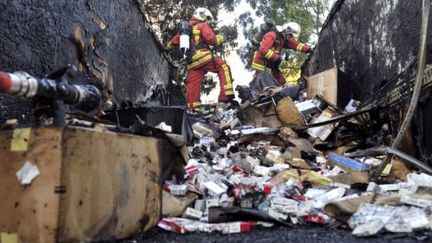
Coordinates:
column 164, row 16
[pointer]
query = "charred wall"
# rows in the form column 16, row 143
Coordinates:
column 371, row 41
column 109, row 42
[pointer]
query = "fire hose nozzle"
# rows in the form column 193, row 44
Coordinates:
column 18, row 84
column 5, row 82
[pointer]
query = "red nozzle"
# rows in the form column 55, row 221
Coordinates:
column 5, row 82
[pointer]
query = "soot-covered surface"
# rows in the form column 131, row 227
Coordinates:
column 371, row 42
column 107, row 40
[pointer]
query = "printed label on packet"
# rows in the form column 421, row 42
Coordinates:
column 234, row 227
column 193, row 213
column 178, row 190
column 212, row 203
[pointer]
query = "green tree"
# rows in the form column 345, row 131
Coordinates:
column 319, row 10
column 164, row 16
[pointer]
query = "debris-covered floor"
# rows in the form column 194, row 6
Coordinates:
column 300, row 163
column 284, row 164
column 263, row 169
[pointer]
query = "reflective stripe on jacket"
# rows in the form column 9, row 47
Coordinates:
column 270, row 48
column 202, row 36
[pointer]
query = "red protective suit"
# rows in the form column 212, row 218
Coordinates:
column 203, row 62
column 268, row 56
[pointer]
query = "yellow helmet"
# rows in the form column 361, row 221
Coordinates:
column 203, row 14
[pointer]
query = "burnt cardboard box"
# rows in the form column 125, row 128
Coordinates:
column 92, row 184
column 332, row 84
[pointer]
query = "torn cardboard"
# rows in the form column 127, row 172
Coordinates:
column 288, row 113
column 173, row 206
column 324, row 84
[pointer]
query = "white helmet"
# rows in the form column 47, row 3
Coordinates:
column 203, row 14
column 291, row 28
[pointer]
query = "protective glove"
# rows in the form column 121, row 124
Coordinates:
column 233, row 103
column 311, row 49
column 220, row 39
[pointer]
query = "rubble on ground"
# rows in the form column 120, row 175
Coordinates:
column 241, row 174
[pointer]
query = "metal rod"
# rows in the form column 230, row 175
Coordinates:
column 335, row 119
column 392, row 151
column 409, row 159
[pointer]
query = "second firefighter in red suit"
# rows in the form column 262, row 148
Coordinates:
column 203, row 61
column 268, row 55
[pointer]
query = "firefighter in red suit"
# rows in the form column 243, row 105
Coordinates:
column 268, row 55
column 203, row 61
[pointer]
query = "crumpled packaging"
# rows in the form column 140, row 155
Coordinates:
column 351, row 177
column 175, row 206
column 304, row 175
column 342, row 210
column 399, row 169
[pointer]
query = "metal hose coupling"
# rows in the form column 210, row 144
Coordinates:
column 21, row 84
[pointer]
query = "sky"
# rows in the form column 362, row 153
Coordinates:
column 241, row 75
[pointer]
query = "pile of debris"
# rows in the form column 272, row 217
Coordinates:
column 265, row 164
